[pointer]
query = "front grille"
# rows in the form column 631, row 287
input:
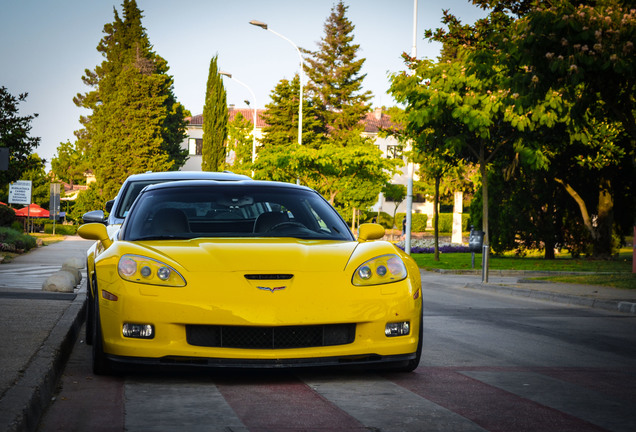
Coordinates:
column 270, row 337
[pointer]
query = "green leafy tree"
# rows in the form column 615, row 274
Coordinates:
column 434, row 166
column 40, row 189
column 395, row 193
column 450, row 110
column 215, row 118
column 239, row 144
column 578, row 73
column 345, row 176
column 69, row 165
column 336, row 81
column 135, row 124
column 347, row 169
column 14, row 135
column 86, row 201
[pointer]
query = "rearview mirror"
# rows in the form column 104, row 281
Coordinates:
column 95, row 216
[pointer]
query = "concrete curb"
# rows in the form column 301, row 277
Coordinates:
column 608, row 305
column 517, row 273
column 24, row 403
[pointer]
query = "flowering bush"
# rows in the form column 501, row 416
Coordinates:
column 428, row 246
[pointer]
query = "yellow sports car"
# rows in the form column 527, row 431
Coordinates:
column 249, row 274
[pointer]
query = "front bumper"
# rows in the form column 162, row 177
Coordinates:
column 231, row 300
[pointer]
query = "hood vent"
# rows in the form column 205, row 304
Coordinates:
column 275, row 276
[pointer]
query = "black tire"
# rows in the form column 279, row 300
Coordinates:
column 90, row 301
column 101, row 364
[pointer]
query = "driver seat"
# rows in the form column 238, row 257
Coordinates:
column 265, row 221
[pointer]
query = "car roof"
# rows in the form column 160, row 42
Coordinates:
column 187, row 175
column 256, row 184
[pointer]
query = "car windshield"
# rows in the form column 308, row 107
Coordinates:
column 129, row 195
column 233, row 211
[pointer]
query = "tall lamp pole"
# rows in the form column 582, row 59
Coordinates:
column 229, row 75
column 300, row 75
column 409, row 185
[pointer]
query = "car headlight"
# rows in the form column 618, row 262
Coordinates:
column 380, row 270
column 136, row 268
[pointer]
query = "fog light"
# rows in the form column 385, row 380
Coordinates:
column 397, row 329
column 139, row 331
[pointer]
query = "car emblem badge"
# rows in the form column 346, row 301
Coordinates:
column 272, row 290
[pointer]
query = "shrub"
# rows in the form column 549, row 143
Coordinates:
column 418, row 221
column 12, row 240
column 7, row 216
column 446, row 222
column 61, row 229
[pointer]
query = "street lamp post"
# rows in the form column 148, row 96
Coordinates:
column 229, row 75
column 411, row 168
column 300, row 75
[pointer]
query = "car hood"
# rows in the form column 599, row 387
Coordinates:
column 256, row 255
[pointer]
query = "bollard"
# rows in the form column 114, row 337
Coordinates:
column 484, row 264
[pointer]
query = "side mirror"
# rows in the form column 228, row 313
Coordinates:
column 95, row 216
column 95, row 231
column 109, row 205
column 370, row 231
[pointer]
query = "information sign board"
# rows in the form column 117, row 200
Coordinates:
column 20, row 192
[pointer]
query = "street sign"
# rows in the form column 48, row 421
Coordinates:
column 20, row 192
column 54, row 201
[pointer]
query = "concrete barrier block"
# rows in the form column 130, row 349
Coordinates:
column 78, row 263
column 61, row 281
column 77, row 275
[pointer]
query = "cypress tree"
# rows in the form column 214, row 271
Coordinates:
column 215, row 118
column 281, row 117
column 336, row 81
column 136, row 124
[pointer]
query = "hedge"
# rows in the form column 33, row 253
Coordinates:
column 446, row 222
column 418, row 221
column 61, row 229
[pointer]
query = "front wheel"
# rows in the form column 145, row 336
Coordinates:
column 90, row 312
column 101, row 364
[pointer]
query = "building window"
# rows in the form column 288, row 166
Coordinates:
column 394, row 151
column 195, row 146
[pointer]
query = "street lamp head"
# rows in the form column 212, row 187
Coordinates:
column 259, row 24
column 227, row 74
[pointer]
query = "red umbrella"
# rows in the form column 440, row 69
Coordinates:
column 32, row 210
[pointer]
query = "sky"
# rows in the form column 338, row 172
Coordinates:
column 45, row 47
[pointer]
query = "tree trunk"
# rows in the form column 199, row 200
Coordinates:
column 604, row 242
column 601, row 234
column 549, row 242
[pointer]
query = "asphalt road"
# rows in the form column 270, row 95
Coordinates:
column 490, row 362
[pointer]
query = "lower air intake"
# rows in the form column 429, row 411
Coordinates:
column 270, row 337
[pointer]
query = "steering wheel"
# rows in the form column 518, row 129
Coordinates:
column 286, row 225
